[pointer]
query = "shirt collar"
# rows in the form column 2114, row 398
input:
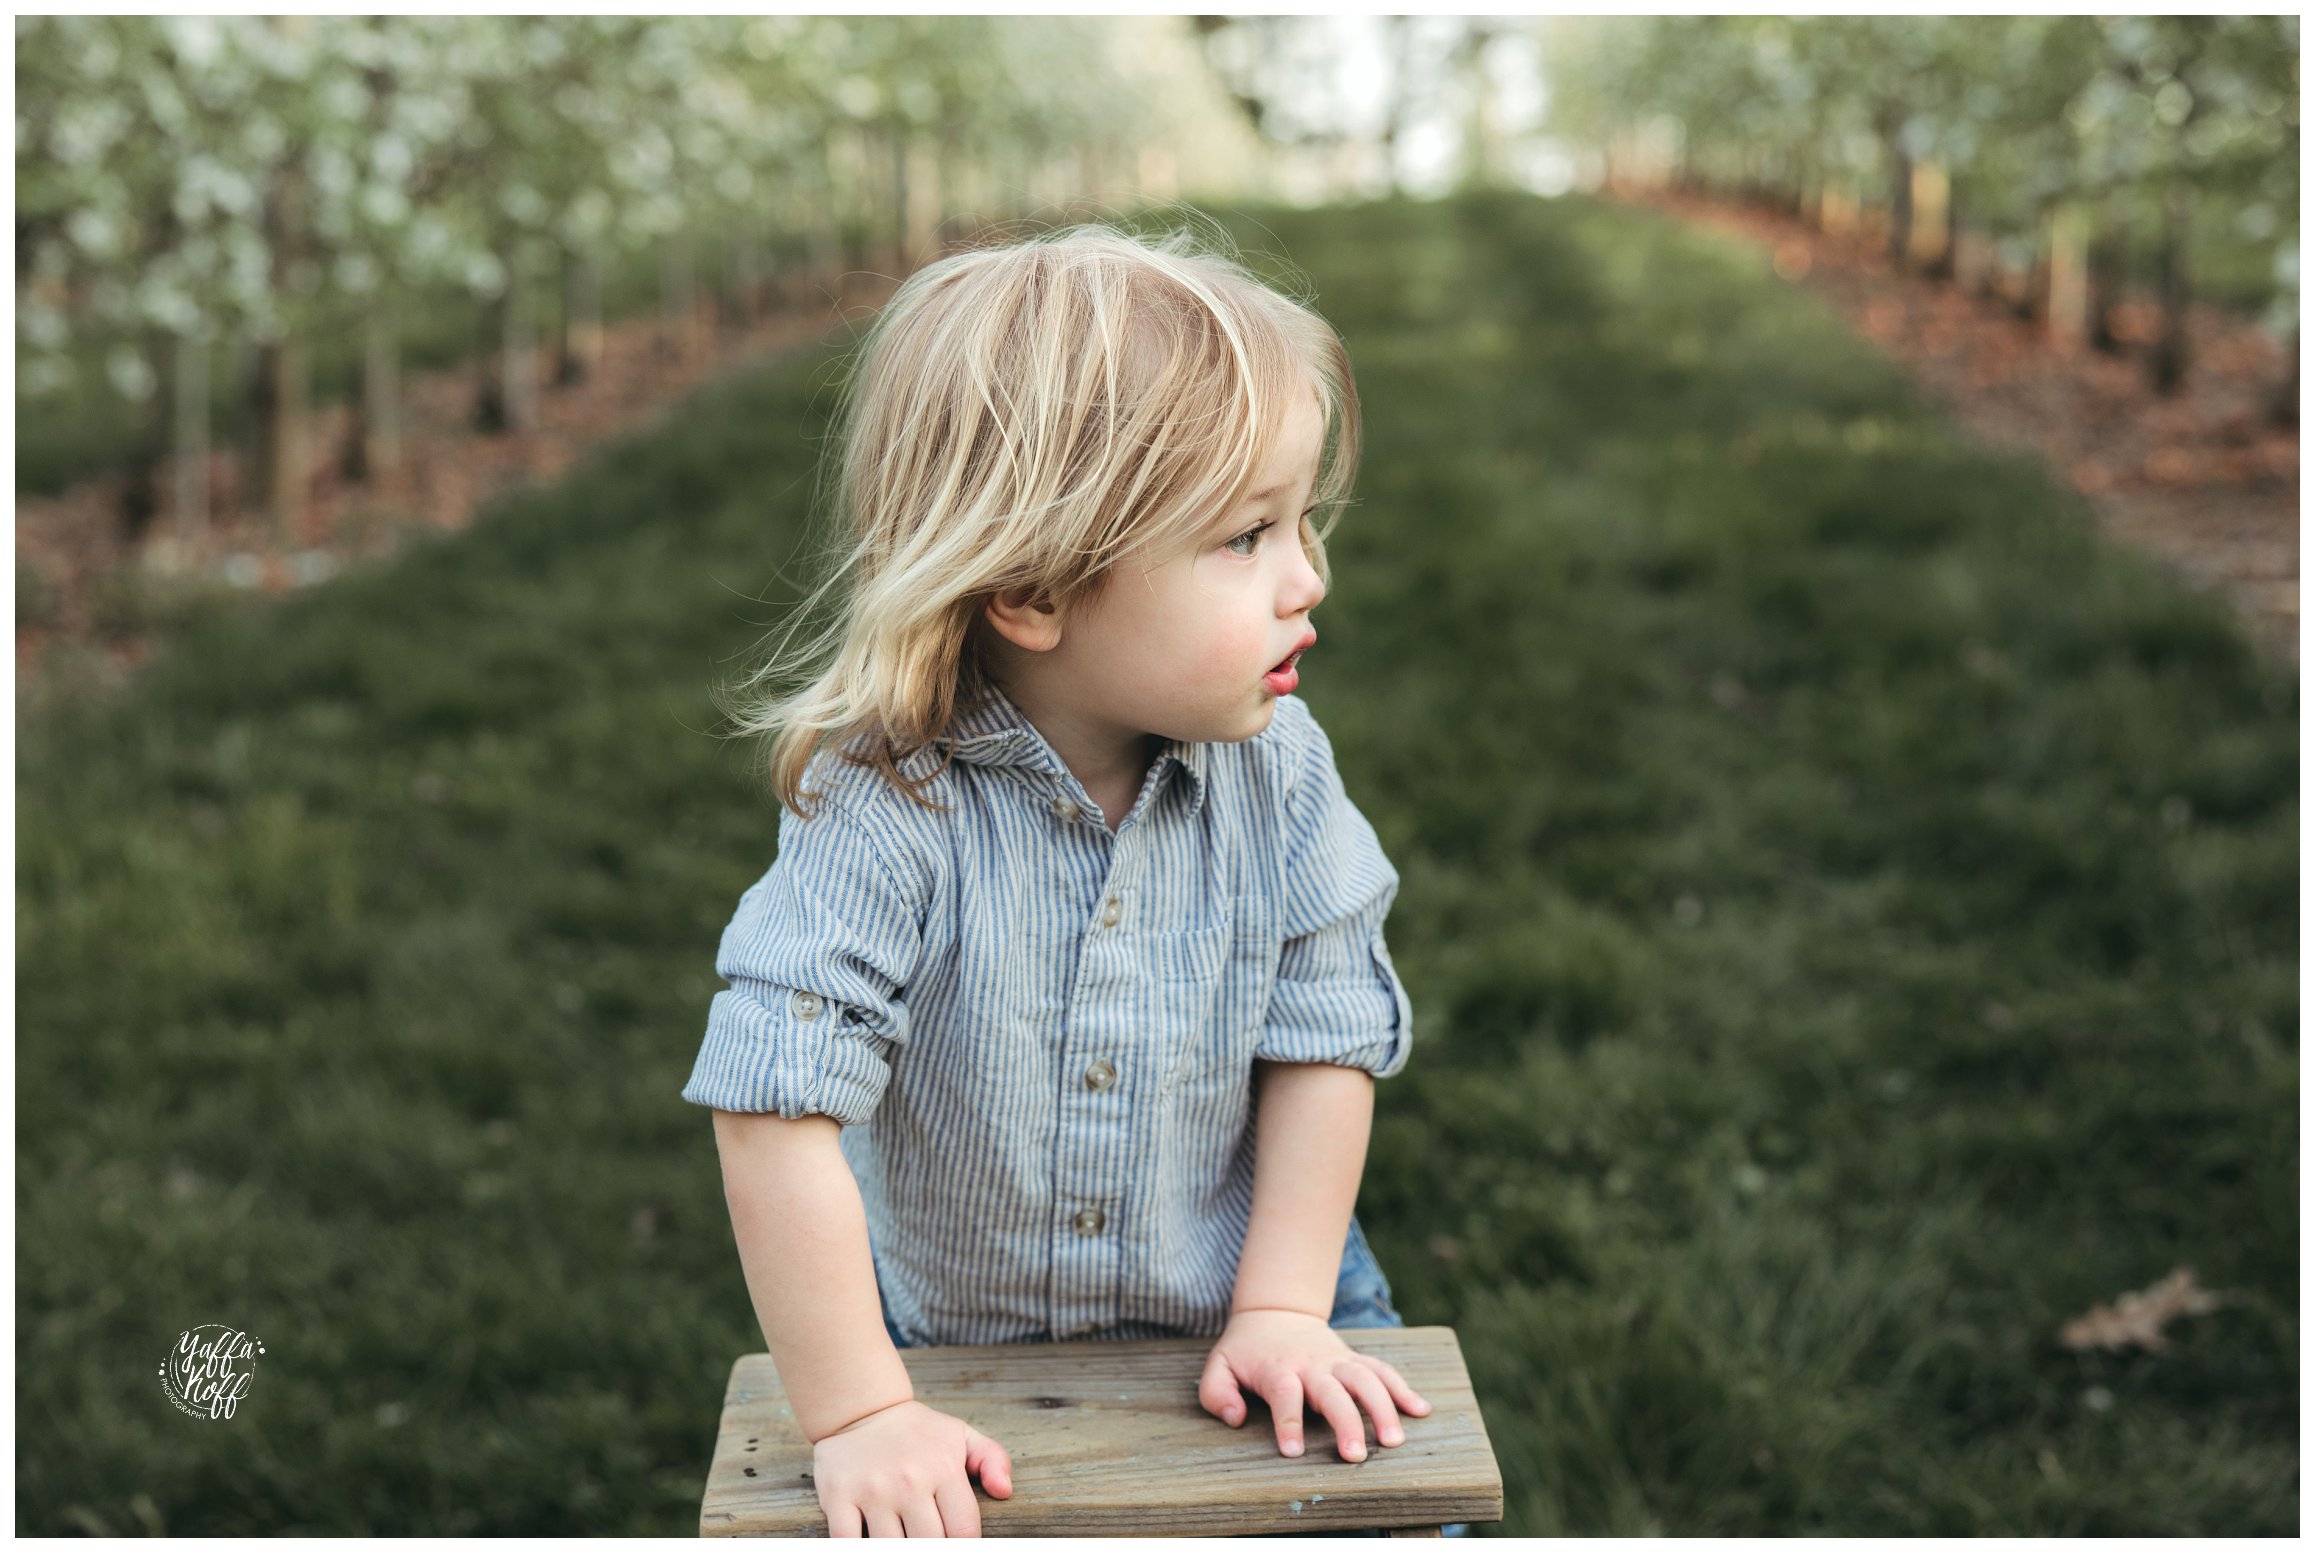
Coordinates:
column 996, row 734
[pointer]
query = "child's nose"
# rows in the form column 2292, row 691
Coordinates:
column 1307, row 590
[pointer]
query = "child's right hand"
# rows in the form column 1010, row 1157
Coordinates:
column 906, row 1471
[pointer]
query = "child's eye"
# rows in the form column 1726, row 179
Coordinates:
column 1255, row 532
column 1251, row 533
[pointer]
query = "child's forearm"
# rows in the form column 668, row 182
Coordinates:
column 1310, row 1141
column 803, row 1244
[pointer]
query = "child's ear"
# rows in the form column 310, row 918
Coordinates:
column 1020, row 617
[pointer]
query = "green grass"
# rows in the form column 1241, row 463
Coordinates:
column 1850, row 911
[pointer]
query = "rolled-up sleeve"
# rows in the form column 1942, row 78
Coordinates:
column 1337, row 998
column 819, row 956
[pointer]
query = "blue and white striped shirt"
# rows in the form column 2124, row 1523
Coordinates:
column 1040, row 1037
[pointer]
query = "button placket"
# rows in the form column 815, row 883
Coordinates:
column 807, row 1005
column 1101, row 1017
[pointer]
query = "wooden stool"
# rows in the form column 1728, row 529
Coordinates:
column 1108, row 1440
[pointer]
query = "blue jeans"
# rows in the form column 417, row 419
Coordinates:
column 1362, row 1298
column 1362, row 1295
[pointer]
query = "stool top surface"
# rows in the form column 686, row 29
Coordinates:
column 1108, row 1439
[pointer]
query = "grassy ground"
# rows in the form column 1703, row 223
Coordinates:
column 1850, row 913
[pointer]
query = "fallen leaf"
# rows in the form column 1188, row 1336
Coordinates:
column 2138, row 1317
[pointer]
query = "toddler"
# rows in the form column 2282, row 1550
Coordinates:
column 1058, row 1014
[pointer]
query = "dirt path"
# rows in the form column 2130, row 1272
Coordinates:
column 2198, row 479
column 92, row 606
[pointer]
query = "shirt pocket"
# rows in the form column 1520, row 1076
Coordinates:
column 1235, row 995
column 1185, row 973
column 1194, row 957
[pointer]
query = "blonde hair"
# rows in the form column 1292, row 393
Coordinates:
column 1027, row 415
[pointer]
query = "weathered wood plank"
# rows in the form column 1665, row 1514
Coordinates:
column 1108, row 1439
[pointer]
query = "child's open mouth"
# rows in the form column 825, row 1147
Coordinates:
column 1284, row 677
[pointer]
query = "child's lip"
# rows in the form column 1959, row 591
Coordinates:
column 1300, row 648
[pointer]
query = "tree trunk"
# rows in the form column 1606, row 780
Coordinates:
column 760, row 264
column 2283, row 403
column 923, row 241
column 675, row 296
column 1023, row 182
column 567, row 369
column 853, row 197
column 2109, row 259
column 2169, row 364
column 2069, row 313
column 947, row 159
column 1482, row 134
column 490, row 407
column 968, row 204
column 1948, row 267
column 278, row 400
column 823, row 253
column 579, row 328
column 140, row 496
column 1395, row 54
column 1973, row 263
column 1900, row 206
column 1932, row 245
column 190, row 370
column 1839, row 210
column 897, row 136
column 373, row 448
column 2032, row 301
column 283, row 468
column 518, row 348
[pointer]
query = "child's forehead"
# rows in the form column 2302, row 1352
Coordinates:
column 1297, row 434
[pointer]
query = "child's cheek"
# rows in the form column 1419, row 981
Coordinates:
column 1234, row 652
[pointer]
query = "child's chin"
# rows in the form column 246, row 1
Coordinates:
column 1251, row 723
column 1262, row 719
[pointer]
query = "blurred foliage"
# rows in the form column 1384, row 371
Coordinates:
column 156, row 155
column 1850, row 911
column 2020, row 110
column 236, row 179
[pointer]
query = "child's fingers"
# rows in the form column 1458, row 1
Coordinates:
column 1218, row 1391
column 990, row 1462
column 1375, row 1397
column 1340, row 1410
column 960, row 1512
column 920, row 1517
column 1284, row 1394
column 1408, row 1399
column 843, row 1520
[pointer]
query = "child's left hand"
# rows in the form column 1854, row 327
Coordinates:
column 1283, row 1356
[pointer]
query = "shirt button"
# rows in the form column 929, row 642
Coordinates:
column 1110, row 912
column 1064, row 810
column 1101, row 1075
column 806, row 1005
column 1089, row 1221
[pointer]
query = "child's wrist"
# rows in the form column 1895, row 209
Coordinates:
column 1237, row 1309
column 860, row 1418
